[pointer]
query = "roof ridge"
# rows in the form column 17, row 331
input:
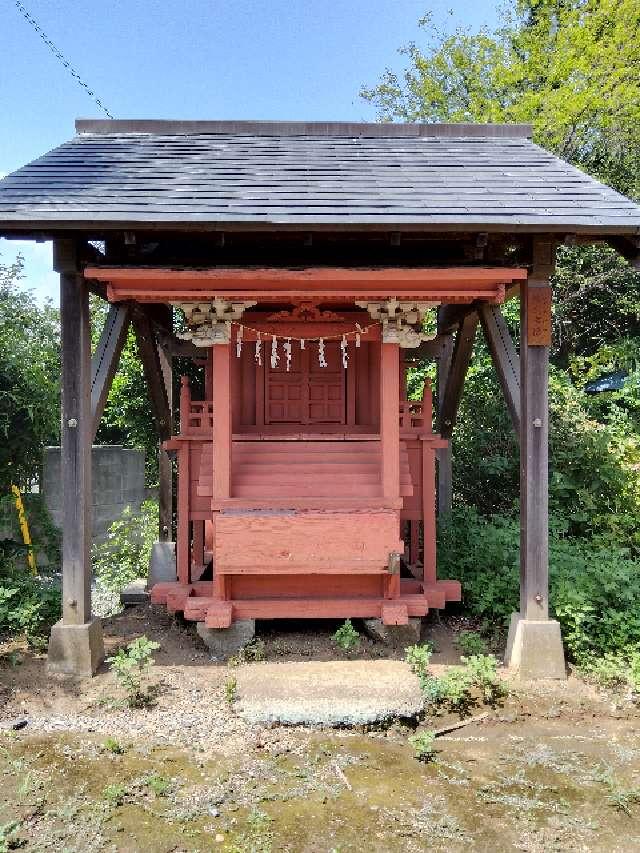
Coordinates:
column 300, row 128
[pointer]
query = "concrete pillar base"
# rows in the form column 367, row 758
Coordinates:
column 534, row 648
column 76, row 649
column 225, row 642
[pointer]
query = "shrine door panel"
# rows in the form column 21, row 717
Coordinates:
column 306, row 393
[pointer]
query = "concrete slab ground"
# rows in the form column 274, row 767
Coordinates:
column 327, row 692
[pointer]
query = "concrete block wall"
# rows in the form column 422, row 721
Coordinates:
column 118, row 481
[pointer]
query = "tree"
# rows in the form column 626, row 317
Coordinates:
column 570, row 67
column 29, row 379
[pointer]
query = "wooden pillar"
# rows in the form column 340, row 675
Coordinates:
column 534, row 644
column 163, row 316
column 76, row 645
column 76, row 437
column 390, row 419
column 535, row 320
column 221, row 421
column 445, row 465
column 428, row 514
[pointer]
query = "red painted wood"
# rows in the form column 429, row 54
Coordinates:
column 312, row 542
column 394, row 613
column 183, row 539
column 389, row 423
column 221, row 422
column 429, row 512
column 322, row 283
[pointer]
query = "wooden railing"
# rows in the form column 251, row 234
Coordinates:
column 416, row 415
column 196, row 416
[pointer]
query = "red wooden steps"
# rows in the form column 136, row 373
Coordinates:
column 322, row 469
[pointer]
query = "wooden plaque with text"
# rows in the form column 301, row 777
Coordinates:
column 539, row 316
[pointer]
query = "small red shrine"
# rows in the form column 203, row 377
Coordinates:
column 305, row 467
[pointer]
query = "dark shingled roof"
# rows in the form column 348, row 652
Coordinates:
column 242, row 174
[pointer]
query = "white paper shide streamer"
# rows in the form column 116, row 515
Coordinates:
column 259, row 350
column 275, row 358
column 239, row 341
column 322, row 361
column 287, row 352
column 343, row 350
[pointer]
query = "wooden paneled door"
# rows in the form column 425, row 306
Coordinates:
column 307, row 393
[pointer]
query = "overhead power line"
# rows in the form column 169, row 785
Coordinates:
column 60, row 56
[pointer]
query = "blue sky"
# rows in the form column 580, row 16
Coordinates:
column 240, row 59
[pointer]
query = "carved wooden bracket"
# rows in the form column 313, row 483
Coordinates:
column 306, row 311
column 210, row 322
column 401, row 321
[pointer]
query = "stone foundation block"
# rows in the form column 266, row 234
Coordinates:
column 76, row 649
column 225, row 642
column 135, row 593
column 397, row 636
column 534, row 648
column 162, row 563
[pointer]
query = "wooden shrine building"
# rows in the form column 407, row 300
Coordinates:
column 302, row 267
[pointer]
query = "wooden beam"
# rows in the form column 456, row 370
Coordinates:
column 443, row 455
column 153, row 372
column 461, row 356
column 162, row 318
column 104, row 361
column 534, row 435
column 505, row 359
column 76, row 436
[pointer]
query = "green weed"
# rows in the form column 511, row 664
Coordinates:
column 346, row 637
column 231, row 690
column 130, row 666
column 471, row 643
column 158, row 784
column 112, row 745
column 114, row 794
column 422, row 743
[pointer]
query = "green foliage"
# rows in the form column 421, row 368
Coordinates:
column 482, row 670
column 231, row 690
column 614, row 671
column 29, row 384
column 158, row 784
column 418, row 658
column 422, row 743
column 28, row 605
column 471, row 643
column 112, row 745
column 127, row 417
column 619, row 797
column 594, row 588
column 253, row 652
column 346, row 637
column 564, row 66
column 46, row 539
column 124, row 555
column 114, row 794
column 8, row 836
column 130, row 666
column 451, row 690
